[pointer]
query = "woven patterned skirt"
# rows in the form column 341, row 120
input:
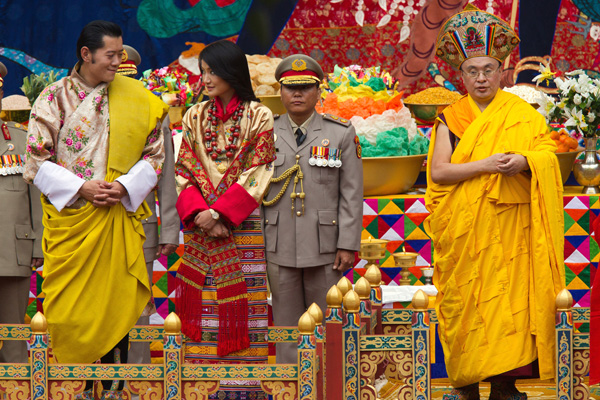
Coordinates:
column 250, row 244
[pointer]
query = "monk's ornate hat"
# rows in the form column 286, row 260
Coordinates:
column 475, row 33
column 131, row 59
column 299, row 69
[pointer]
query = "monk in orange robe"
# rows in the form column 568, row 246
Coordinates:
column 495, row 197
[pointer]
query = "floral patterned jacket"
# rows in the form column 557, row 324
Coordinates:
column 82, row 148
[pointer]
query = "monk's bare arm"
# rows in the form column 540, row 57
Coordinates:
column 444, row 172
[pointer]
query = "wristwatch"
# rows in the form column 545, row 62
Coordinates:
column 215, row 215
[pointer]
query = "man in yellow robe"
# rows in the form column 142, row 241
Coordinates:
column 95, row 150
column 495, row 197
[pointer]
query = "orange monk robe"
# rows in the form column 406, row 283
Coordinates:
column 498, row 244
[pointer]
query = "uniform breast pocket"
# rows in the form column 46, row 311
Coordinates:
column 13, row 183
column 271, row 217
column 324, row 175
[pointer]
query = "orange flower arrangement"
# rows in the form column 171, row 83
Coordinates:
column 362, row 106
column 564, row 142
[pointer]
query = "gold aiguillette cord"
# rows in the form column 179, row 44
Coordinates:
column 287, row 176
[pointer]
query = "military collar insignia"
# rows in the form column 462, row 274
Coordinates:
column 5, row 131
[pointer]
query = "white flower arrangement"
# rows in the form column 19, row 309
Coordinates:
column 579, row 100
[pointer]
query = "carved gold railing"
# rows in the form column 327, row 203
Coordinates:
column 339, row 359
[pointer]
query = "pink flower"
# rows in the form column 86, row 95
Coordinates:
column 81, row 163
column 53, row 87
column 78, row 145
column 68, row 141
column 158, row 171
column 40, row 146
column 31, row 139
column 152, row 140
column 88, row 172
column 79, row 135
column 575, row 134
column 98, row 99
column 79, row 175
column 28, row 149
column 50, row 97
column 82, row 95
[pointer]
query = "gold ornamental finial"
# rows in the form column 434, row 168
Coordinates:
column 39, row 325
column 344, row 285
column 363, row 288
column 420, row 300
column 564, row 300
column 315, row 311
column 373, row 275
column 351, row 302
column 172, row 324
column 306, row 324
column 334, row 297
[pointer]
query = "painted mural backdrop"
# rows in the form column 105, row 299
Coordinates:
column 38, row 35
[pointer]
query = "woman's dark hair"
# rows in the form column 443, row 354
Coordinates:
column 92, row 35
column 228, row 62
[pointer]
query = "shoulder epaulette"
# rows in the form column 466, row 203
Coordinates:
column 12, row 124
column 339, row 120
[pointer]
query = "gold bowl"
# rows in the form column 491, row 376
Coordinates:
column 405, row 260
column 390, row 175
column 372, row 249
column 566, row 160
column 425, row 113
column 274, row 103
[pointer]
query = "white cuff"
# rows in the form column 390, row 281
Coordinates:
column 58, row 184
column 139, row 181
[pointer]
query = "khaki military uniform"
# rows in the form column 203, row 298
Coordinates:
column 301, row 249
column 20, row 234
column 139, row 352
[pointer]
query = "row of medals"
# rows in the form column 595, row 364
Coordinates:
column 325, row 157
column 11, row 164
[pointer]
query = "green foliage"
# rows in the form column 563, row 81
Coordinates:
column 34, row 84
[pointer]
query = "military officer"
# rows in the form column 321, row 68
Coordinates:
column 168, row 240
column 20, row 232
column 312, row 229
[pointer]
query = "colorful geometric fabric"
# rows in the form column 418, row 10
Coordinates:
column 399, row 219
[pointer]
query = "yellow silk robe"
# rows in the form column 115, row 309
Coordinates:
column 498, row 244
column 95, row 279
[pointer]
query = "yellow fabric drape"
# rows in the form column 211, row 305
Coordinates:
column 497, row 244
column 95, row 277
column 134, row 113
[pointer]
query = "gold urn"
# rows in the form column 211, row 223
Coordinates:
column 405, row 260
column 372, row 250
